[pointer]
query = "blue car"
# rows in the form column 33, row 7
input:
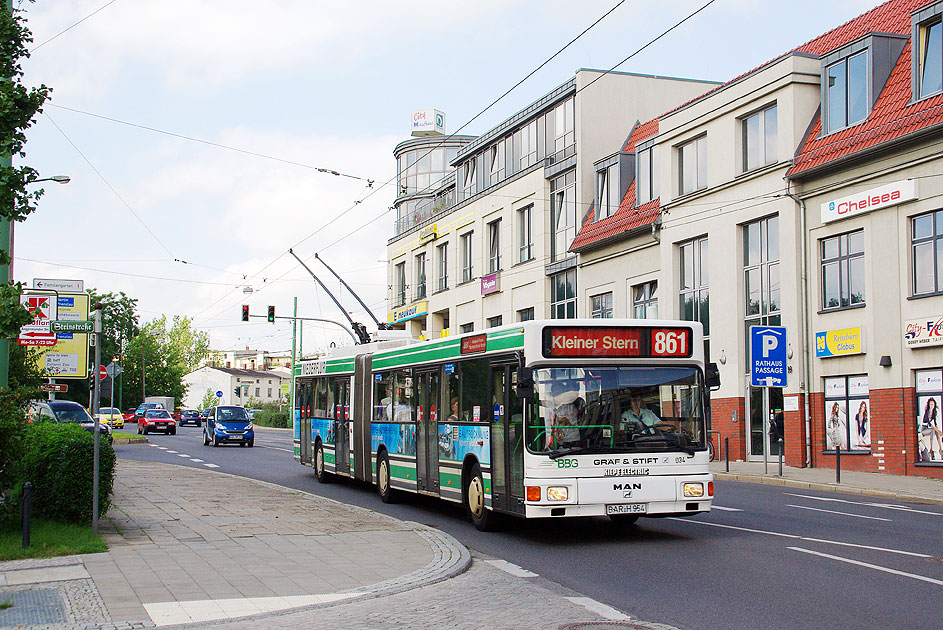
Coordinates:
column 228, row 425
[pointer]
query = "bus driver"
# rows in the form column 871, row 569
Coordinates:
column 638, row 417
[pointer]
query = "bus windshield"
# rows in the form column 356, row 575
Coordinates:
column 624, row 409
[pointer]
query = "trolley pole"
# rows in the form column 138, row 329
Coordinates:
column 294, row 331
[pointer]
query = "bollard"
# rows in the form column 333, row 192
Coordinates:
column 727, row 452
column 26, row 508
column 838, row 463
column 780, row 457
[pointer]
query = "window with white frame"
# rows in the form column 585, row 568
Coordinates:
column 529, row 144
column 929, row 57
column 694, row 296
column 442, row 264
column 645, row 300
column 759, row 139
column 843, row 271
column 692, row 165
column 465, row 256
column 420, row 276
column 467, row 328
column 762, row 303
column 525, row 233
column 562, row 213
column 494, row 246
column 563, row 295
column 564, row 127
column 927, row 244
column 601, row 305
column 607, row 191
column 497, row 162
column 846, row 92
column 468, row 183
column 646, row 180
column 525, row 314
column 494, row 322
column 399, row 284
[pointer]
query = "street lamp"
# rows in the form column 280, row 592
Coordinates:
column 60, row 179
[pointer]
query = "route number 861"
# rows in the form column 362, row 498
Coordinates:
column 670, row 342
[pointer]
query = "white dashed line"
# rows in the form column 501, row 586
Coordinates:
column 876, row 567
column 812, row 509
column 513, row 569
column 725, row 509
column 183, row 455
column 607, row 612
column 211, row 465
column 887, row 506
column 199, row 461
column 174, row 452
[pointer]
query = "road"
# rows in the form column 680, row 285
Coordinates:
column 767, row 556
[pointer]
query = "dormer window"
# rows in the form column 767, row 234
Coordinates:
column 646, row 182
column 607, row 191
column 846, row 92
column 927, row 37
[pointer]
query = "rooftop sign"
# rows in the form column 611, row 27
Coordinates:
column 428, row 122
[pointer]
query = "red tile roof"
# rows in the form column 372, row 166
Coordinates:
column 891, row 117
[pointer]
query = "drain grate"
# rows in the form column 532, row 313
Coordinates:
column 36, row 606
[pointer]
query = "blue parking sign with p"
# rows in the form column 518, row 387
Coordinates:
column 768, row 356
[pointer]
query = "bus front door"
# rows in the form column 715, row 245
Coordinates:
column 427, row 454
column 342, row 422
column 305, row 404
column 507, row 432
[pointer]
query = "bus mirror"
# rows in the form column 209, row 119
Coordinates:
column 525, row 382
column 712, row 376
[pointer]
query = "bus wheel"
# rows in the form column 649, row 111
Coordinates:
column 383, row 478
column 482, row 517
column 623, row 520
column 322, row 475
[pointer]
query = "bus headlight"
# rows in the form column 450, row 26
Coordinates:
column 693, row 489
column 557, row 493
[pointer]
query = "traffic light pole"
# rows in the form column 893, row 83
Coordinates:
column 95, row 409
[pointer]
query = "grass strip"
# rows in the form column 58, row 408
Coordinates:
column 48, row 539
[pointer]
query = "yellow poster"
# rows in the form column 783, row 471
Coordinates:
column 68, row 358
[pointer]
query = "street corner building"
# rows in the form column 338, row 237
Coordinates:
column 803, row 193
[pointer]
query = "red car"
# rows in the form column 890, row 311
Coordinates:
column 157, row 420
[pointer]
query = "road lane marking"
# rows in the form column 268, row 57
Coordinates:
column 606, row 612
column 872, row 518
column 806, row 538
column 200, row 461
column 211, row 465
column 275, row 448
column 725, row 509
column 868, row 565
column 182, row 455
column 889, row 506
column 172, row 452
column 511, row 568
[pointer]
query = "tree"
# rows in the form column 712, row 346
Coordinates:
column 209, row 400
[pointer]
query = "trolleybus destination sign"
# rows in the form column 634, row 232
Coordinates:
column 560, row 341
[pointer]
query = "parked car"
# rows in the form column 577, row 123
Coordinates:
column 66, row 411
column 157, row 420
column 139, row 412
column 228, row 424
column 189, row 416
column 112, row 417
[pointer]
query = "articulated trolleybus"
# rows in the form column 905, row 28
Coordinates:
column 542, row 419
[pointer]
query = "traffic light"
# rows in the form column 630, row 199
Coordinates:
column 271, row 313
column 245, row 312
column 237, row 392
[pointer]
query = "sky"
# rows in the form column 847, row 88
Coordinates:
column 193, row 132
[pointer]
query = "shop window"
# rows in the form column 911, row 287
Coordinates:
column 843, row 271
column 847, row 413
column 929, row 436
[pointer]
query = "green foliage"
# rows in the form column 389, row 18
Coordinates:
column 58, row 461
column 49, row 538
column 273, row 418
column 209, row 400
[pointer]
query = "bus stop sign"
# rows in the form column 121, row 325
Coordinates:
column 768, row 356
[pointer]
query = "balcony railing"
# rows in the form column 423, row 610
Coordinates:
column 425, row 210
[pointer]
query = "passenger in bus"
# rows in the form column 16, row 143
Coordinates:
column 637, row 417
column 453, row 417
column 566, row 416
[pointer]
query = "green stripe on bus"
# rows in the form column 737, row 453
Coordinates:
column 507, row 340
column 339, row 365
column 454, row 481
column 402, row 472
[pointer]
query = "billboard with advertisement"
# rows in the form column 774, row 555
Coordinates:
column 837, row 343
column 68, row 357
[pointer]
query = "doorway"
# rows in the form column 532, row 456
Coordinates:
column 427, row 414
column 762, row 405
column 341, row 434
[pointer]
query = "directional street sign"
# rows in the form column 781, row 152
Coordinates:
column 72, row 327
column 53, row 387
column 768, row 356
column 55, row 284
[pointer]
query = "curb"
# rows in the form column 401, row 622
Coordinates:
column 827, row 487
column 450, row 558
column 131, row 439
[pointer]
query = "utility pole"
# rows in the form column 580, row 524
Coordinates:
column 294, row 329
column 120, row 363
column 6, row 243
column 96, row 401
column 143, row 395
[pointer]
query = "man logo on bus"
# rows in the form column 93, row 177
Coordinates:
column 626, row 486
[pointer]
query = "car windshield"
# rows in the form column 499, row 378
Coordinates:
column 157, row 413
column 231, row 414
column 604, row 409
column 108, row 410
column 72, row 413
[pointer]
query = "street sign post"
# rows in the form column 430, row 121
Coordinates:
column 768, row 356
column 65, row 326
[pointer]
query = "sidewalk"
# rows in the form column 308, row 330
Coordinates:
column 897, row 487
column 191, row 546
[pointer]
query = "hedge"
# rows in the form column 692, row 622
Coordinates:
column 58, row 461
column 272, row 418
